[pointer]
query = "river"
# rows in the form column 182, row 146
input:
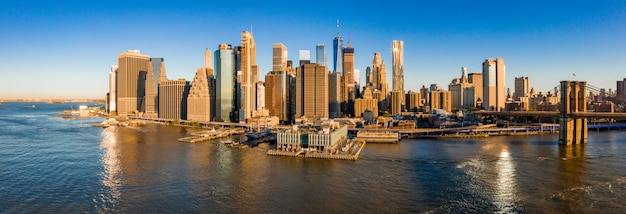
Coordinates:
column 53, row 165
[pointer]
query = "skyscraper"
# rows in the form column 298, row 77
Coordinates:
column 337, row 51
column 305, row 57
column 397, row 60
column 379, row 70
column 334, row 95
column 225, row 82
column 199, row 99
column 208, row 61
column 131, row 79
column 113, row 90
column 312, row 91
column 522, row 87
column 320, row 54
column 396, row 102
column 173, row 99
column 276, row 94
column 152, row 87
column 494, row 93
column 279, row 57
column 348, row 65
column 248, row 70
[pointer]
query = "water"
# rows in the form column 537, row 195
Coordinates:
column 66, row 166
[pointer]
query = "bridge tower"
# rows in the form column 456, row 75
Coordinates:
column 572, row 130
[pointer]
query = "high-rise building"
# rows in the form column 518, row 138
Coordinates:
column 369, row 77
column 476, row 79
column 621, row 89
column 366, row 103
column 494, row 93
column 259, row 102
column 276, row 94
column 312, row 91
column 225, row 75
column 208, row 60
column 173, row 99
column 522, row 87
column 424, row 95
column 131, row 81
column 348, row 65
column 156, row 72
column 396, row 102
column 357, row 77
column 320, row 54
column 334, row 95
column 279, row 57
column 379, row 70
column 199, row 99
column 113, row 90
column 462, row 91
column 397, row 59
column 412, row 100
column 305, row 57
column 249, row 72
column 440, row 99
column 337, row 52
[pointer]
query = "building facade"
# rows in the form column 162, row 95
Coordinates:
column 522, row 87
column 320, row 54
column 494, row 90
column 279, row 57
column 199, row 98
column 311, row 91
column 397, row 61
column 225, row 75
column 173, row 99
column 131, row 81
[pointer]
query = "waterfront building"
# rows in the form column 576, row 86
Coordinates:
column 112, row 107
column 311, row 91
column 397, row 61
column 320, row 54
column 259, row 107
column 276, row 94
column 279, row 57
column 337, row 52
column 173, row 99
column 325, row 137
column 334, row 95
column 494, row 93
column 396, row 102
column 412, row 100
column 347, row 83
column 379, row 83
column 441, row 99
column 621, row 88
column 249, row 75
column 225, row 75
column 199, row 99
column 131, row 78
column 361, row 105
column 522, row 87
column 155, row 73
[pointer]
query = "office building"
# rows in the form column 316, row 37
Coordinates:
column 337, row 52
column 199, row 98
column 348, row 65
column 476, row 79
column 494, row 93
column 276, row 94
column 334, row 95
column 397, row 61
column 379, row 70
column 424, row 96
column 462, row 91
column 320, row 54
column 225, row 75
column 208, row 60
column 305, row 57
column 112, row 107
column 173, row 99
column 522, row 87
column 249, row 74
column 357, row 77
column 279, row 57
column 131, row 79
column 311, row 91
column 156, row 73
column 361, row 105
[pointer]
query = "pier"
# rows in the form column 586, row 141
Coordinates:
column 210, row 135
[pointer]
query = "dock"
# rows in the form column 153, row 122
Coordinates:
column 378, row 137
column 210, row 135
column 350, row 151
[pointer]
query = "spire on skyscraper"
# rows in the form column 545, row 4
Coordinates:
column 337, row 27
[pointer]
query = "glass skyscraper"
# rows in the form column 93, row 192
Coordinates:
column 338, row 54
column 320, row 54
column 225, row 79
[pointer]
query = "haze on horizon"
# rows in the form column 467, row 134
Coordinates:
column 53, row 50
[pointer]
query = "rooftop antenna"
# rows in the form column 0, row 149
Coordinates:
column 337, row 27
column 348, row 40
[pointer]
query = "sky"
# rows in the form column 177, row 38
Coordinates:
column 65, row 49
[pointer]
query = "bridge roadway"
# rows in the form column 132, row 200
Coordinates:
column 553, row 114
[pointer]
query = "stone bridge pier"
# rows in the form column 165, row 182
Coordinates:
column 572, row 130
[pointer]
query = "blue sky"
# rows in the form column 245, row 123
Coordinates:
column 51, row 49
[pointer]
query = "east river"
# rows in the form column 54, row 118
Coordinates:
column 52, row 165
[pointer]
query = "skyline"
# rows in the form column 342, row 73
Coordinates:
column 46, row 45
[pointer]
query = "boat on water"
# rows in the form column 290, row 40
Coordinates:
column 259, row 134
column 33, row 106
